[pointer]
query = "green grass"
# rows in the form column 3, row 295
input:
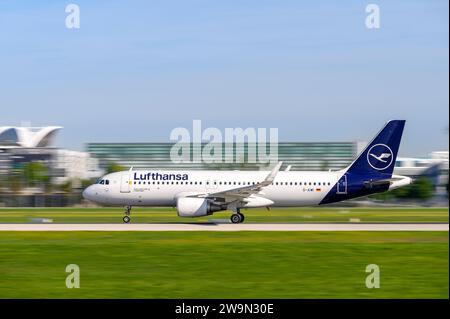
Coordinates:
column 224, row 264
column 162, row 215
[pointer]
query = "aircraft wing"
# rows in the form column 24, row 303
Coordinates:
column 241, row 193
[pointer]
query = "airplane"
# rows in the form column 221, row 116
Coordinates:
column 202, row 193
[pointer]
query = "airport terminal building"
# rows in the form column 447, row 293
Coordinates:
column 22, row 145
column 300, row 156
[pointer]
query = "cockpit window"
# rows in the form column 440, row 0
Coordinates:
column 102, row 181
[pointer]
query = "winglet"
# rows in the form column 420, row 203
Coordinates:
column 269, row 179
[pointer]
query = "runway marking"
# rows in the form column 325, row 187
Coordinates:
column 224, row 227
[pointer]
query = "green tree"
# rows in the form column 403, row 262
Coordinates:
column 87, row 182
column 114, row 167
column 422, row 189
column 14, row 182
column 66, row 187
column 324, row 165
column 36, row 174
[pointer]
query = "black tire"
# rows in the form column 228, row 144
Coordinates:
column 236, row 218
column 242, row 217
column 126, row 219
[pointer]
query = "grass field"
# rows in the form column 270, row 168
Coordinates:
column 162, row 215
column 224, row 265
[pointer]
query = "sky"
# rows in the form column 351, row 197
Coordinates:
column 135, row 70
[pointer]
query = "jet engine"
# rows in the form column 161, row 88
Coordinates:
column 196, row 207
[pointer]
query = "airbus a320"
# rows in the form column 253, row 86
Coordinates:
column 202, row 193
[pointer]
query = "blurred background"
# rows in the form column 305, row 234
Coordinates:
column 33, row 172
column 133, row 71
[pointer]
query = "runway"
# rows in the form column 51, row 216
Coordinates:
column 224, row 227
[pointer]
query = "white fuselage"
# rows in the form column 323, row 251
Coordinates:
column 138, row 188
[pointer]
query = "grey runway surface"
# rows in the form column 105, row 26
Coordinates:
column 224, row 227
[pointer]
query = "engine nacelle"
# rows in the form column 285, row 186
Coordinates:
column 196, row 207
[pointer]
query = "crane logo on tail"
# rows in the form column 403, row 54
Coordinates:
column 380, row 157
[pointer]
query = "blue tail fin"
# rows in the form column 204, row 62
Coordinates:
column 378, row 158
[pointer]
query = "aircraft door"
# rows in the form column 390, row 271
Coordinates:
column 342, row 185
column 125, row 182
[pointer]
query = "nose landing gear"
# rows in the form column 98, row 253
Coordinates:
column 126, row 218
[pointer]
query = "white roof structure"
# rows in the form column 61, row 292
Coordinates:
column 11, row 136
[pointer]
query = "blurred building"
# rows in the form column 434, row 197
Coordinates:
column 27, row 137
column 435, row 167
column 21, row 145
column 442, row 156
column 301, row 156
column 74, row 166
column 416, row 167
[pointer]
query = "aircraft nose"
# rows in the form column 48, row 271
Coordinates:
column 88, row 193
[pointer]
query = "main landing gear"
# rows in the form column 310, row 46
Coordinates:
column 237, row 217
column 126, row 218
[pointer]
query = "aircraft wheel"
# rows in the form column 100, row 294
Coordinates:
column 236, row 218
column 126, row 219
column 242, row 217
